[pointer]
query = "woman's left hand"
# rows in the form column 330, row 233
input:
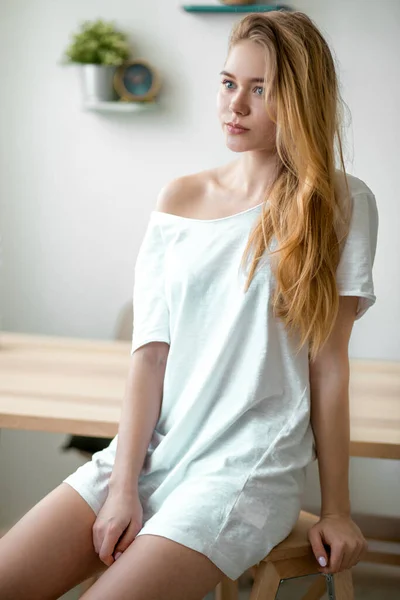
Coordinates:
column 347, row 543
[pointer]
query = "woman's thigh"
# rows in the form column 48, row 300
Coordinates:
column 156, row 568
column 50, row 549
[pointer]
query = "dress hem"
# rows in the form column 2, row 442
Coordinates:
column 85, row 494
column 176, row 535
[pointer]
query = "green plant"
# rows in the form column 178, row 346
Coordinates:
column 98, row 43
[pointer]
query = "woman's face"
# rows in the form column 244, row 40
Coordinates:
column 241, row 99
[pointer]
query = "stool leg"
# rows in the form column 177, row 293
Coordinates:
column 317, row 589
column 227, row 589
column 266, row 582
column 270, row 574
column 340, row 586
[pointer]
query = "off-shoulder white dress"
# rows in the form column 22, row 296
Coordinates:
column 225, row 470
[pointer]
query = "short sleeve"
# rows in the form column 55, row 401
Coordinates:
column 150, row 309
column 354, row 272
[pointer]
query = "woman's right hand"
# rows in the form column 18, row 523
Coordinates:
column 119, row 521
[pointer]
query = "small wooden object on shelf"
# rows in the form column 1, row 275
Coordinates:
column 137, row 80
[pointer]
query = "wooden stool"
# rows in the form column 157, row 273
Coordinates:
column 293, row 557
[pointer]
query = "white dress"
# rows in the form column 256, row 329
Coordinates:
column 225, row 470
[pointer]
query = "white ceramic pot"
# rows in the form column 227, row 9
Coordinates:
column 98, row 83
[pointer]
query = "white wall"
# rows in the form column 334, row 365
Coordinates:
column 76, row 188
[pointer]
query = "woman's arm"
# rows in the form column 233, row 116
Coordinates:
column 143, row 394
column 139, row 414
column 329, row 386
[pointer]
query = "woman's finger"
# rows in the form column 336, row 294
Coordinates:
column 128, row 537
column 97, row 535
column 107, row 547
column 358, row 553
column 337, row 556
column 347, row 560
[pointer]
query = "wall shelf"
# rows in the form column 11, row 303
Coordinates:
column 119, row 107
column 225, row 8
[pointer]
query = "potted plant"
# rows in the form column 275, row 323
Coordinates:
column 99, row 48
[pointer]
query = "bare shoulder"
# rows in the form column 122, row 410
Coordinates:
column 174, row 196
column 182, row 195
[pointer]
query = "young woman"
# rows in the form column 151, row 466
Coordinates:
column 247, row 284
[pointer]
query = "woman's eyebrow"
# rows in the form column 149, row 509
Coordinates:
column 255, row 79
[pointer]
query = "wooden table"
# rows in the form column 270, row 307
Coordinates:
column 76, row 386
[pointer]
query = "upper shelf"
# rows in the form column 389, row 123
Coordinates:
column 237, row 8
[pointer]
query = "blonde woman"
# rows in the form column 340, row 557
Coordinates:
column 247, row 285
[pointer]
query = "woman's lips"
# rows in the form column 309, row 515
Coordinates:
column 235, row 130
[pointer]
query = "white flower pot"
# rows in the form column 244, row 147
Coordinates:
column 98, row 83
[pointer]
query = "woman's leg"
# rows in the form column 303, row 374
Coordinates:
column 157, row 568
column 50, row 549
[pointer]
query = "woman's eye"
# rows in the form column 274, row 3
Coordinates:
column 226, row 81
column 227, row 84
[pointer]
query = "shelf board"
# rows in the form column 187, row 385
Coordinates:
column 237, row 8
column 118, row 106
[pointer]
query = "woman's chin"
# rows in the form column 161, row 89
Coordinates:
column 238, row 145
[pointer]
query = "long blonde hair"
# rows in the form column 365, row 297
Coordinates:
column 304, row 210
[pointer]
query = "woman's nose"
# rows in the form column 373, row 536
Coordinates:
column 238, row 104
